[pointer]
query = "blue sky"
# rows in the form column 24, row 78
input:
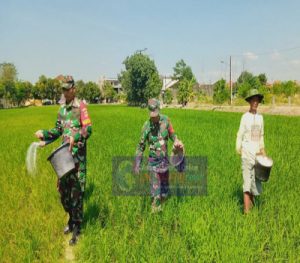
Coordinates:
column 90, row 39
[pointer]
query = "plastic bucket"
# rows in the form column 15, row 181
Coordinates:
column 263, row 166
column 62, row 160
column 177, row 159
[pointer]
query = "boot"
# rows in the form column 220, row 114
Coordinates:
column 156, row 205
column 75, row 235
column 69, row 227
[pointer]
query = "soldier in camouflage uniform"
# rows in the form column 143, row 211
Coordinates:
column 156, row 131
column 74, row 125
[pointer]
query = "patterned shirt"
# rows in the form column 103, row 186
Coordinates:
column 157, row 135
column 72, row 120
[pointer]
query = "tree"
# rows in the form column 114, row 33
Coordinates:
column 140, row 79
column 91, row 92
column 221, row 93
column 109, row 94
column 182, row 71
column 289, row 88
column 167, row 97
column 9, row 90
column 245, row 77
column 262, row 78
column 186, row 80
column 185, row 90
column 23, row 92
column 247, row 81
column 40, row 88
column 53, row 89
column 8, row 72
column 79, row 84
column 2, row 90
column 8, row 76
column 47, row 88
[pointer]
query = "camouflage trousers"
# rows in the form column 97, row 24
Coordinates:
column 71, row 188
column 159, row 183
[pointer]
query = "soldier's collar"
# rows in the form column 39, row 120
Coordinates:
column 74, row 103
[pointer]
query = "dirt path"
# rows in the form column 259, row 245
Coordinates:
column 69, row 255
column 274, row 110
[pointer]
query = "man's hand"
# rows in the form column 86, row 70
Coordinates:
column 39, row 134
column 42, row 143
column 136, row 169
column 262, row 152
column 178, row 144
column 71, row 141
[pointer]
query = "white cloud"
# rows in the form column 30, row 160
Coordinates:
column 250, row 55
column 295, row 62
column 275, row 55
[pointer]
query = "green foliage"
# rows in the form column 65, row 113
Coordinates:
column 8, row 72
column 243, row 89
column 109, row 94
column 140, row 79
column 287, row 88
column 23, row 91
column 186, row 81
column 221, row 93
column 247, row 81
column 47, row 88
column 245, row 77
column 122, row 228
column 9, row 90
column 262, row 78
column 182, row 71
column 167, row 97
column 277, row 88
column 185, row 90
column 79, row 84
column 91, row 92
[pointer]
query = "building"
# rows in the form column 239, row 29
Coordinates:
column 206, row 89
column 116, row 84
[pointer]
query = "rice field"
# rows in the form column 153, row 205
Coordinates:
column 209, row 228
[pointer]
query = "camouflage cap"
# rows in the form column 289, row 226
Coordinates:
column 154, row 107
column 67, row 82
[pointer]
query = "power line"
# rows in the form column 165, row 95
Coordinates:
column 270, row 52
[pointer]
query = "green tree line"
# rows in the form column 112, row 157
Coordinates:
column 16, row 92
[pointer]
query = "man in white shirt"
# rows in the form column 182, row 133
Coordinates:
column 249, row 143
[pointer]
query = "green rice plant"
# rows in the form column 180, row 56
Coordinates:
column 210, row 228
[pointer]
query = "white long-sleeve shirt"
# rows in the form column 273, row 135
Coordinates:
column 250, row 137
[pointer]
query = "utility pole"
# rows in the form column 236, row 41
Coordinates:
column 230, row 81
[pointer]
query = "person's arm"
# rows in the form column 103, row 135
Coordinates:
column 261, row 140
column 172, row 134
column 141, row 148
column 52, row 134
column 239, row 137
column 86, row 125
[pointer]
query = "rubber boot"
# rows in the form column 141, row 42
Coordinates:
column 69, row 227
column 75, row 234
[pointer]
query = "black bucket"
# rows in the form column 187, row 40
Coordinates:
column 62, row 160
column 263, row 166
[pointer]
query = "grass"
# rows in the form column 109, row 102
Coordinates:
column 208, row 228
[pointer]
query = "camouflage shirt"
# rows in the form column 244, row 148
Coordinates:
column 157, row 135
column 72, row 120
